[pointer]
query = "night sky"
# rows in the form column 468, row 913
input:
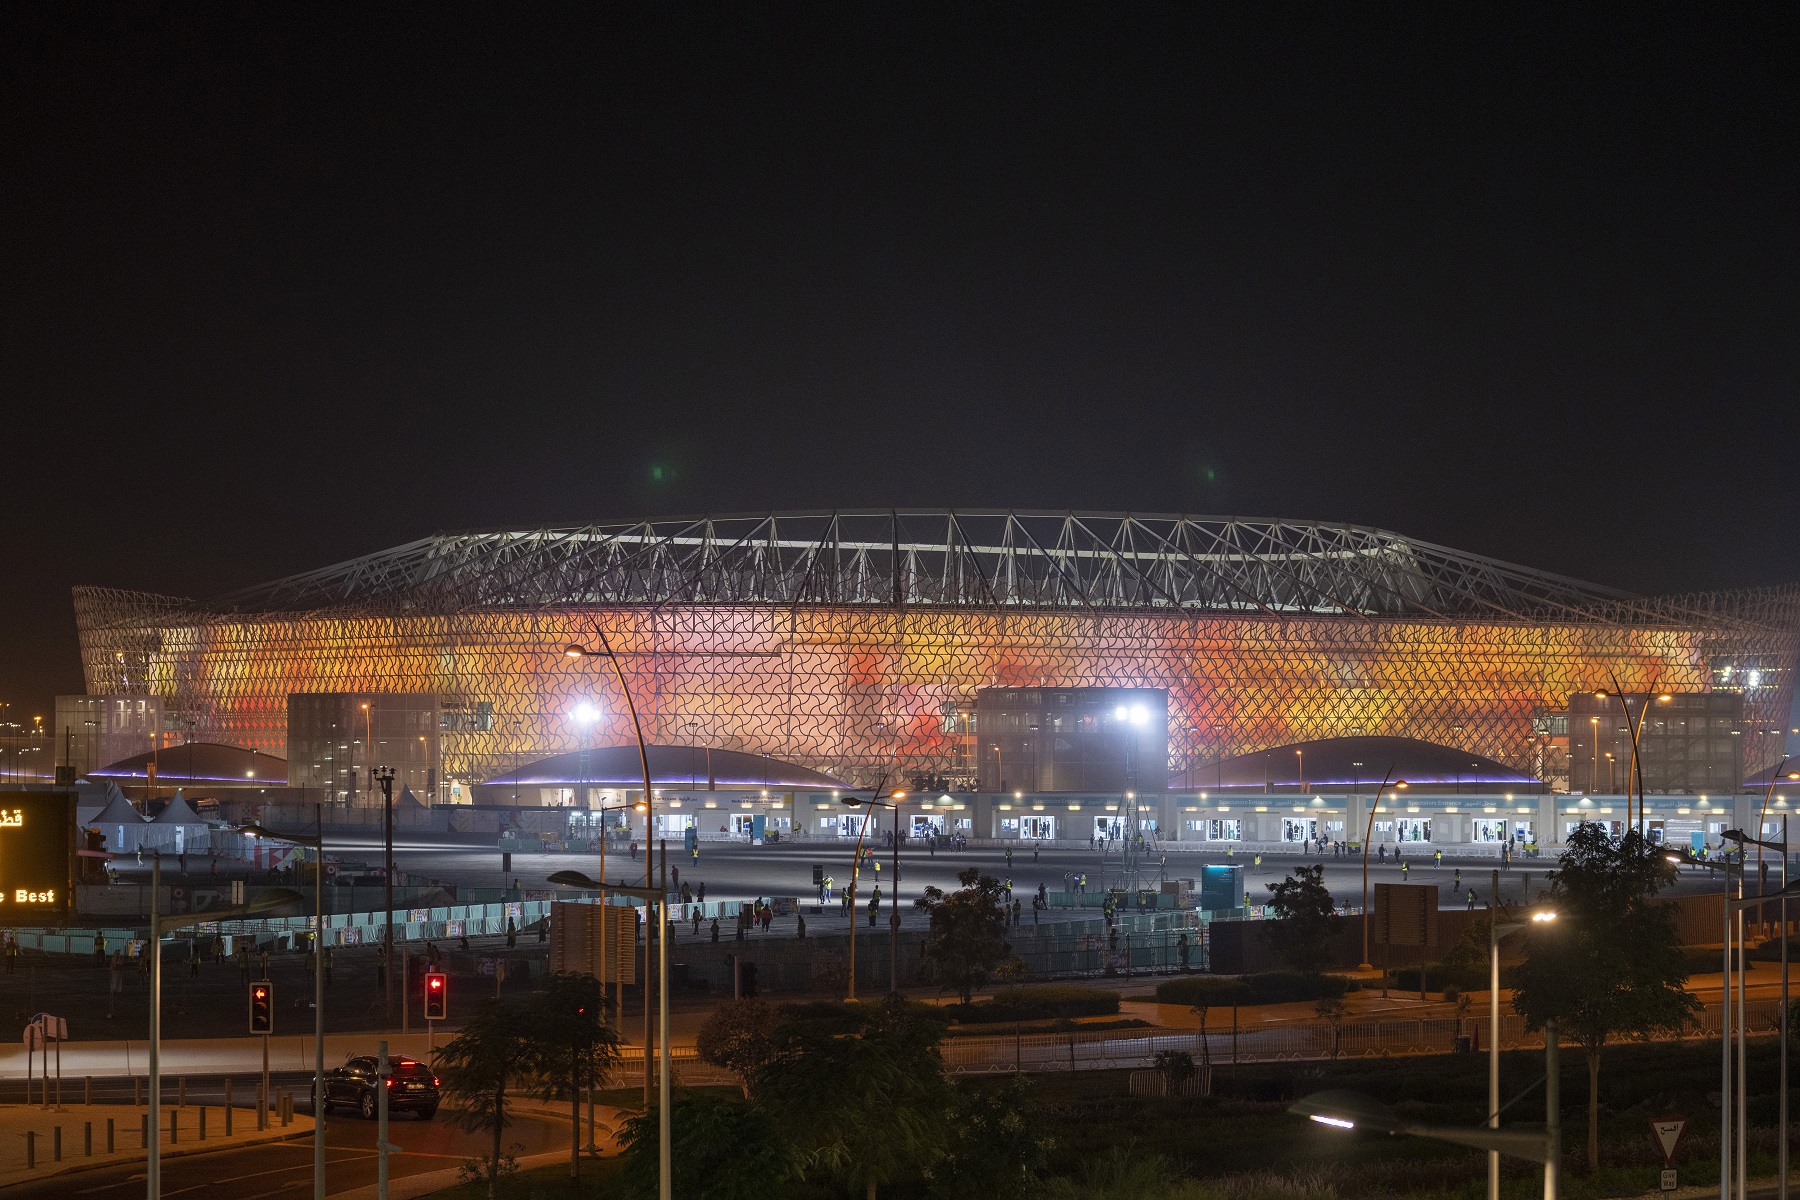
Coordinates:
column 288, row 284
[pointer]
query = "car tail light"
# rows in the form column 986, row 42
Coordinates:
column 390, row 1081
column 434, row 1081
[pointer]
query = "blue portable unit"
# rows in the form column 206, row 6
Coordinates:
column 1221, row 888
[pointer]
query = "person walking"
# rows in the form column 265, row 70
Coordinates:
column 1404, row 868
column 512, row 934
column 1471, row 899
column 701, row 894
column 1457, row 882
column 715, row 929
column 328, row 966
column 1437, row 860
column 800, row 926
column 116, row 984
column 696, row 920
column 1009, row 858
column 874, row 904
column 1018, row 913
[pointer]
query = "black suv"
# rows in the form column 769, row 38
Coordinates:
column 411, row 1087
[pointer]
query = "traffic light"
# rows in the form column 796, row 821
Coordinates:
column 262, row 1007
column 437, row 995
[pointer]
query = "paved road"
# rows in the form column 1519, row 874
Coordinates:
column 284, row 1169
column 736, row 871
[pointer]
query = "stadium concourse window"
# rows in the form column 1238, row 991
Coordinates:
column 1414, row 829
column 674, row 824
column 925, row 826
column 1007, row 825
column 1225, row 831
column 1299, row 829
column 1482, row 830
column 1040, row 828
column 1108, row 827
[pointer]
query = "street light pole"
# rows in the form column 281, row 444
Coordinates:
column 317, row 842
column 1496, row 931
column 385, row 777
column 664, row 1181
column 1368, row 835
column 894, row 912
column 160, row 924
column 153, row 1169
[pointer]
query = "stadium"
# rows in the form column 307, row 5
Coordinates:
column 855, row 644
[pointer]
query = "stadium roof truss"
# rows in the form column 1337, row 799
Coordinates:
column 963, row 559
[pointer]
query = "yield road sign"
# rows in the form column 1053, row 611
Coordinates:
column 1667, row 1131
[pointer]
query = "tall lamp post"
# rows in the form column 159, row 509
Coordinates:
column 1350, row 1110
column 159, row 925
column 1368, row 835
column 894, row 907
column 577, row 651
column 384, row 778
column 1496, row 931
column 1726, row 868
column 317, row 842
column 1635, row 772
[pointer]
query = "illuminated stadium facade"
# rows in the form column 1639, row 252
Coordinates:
column 854, row 643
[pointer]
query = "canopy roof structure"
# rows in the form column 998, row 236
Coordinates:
column 1356, row 764
column 959, row 558
column 199, row 764
column 688, row 767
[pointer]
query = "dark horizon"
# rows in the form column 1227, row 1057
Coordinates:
column 290, row 287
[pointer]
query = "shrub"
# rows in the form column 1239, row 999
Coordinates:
column 1039, row 1002
column 1285, row 987
column 1203, row 991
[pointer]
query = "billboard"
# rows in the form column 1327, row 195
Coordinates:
column 37, row 855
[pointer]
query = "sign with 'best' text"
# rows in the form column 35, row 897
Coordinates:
column 37, row 854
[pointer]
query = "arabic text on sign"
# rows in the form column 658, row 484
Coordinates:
column 12, row 818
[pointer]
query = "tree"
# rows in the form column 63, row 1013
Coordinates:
column 478, row 1066
column 1611, row 963
column 870, row 1104
column 1305, row 920
column 992, row 1148
column 719, row 1149
column 967, row 941
column 740, row 1036
column 1202, row 993
column 571, row 1045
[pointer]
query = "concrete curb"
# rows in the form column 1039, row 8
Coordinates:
column 78, row 1166
column 409, row 1187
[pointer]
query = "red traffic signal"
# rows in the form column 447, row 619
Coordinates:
column 437, row 995
column 262, row 1007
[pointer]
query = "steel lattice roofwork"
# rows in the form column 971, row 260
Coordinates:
column 847, row 641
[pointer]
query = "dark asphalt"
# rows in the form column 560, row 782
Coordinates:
column 284, row 1169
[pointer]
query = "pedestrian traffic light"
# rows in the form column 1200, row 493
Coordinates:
column 437, row 995
column 262, row 1007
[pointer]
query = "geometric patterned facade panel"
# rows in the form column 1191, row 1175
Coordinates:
column 853, row 642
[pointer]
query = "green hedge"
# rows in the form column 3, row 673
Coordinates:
column 1212, row 991
column 1285, row 987
column 1270, row 987
column 1037, row 1002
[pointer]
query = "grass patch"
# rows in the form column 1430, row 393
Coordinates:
column 1036, row 1002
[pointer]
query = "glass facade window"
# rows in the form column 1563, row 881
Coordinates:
column 1225, row 830
column 1299, row 829
column 1485, row 830
column 1414, row 829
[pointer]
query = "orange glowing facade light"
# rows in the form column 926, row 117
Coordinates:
column 854, row 643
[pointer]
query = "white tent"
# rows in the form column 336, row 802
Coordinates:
column 177, row 829
column 119, row 823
